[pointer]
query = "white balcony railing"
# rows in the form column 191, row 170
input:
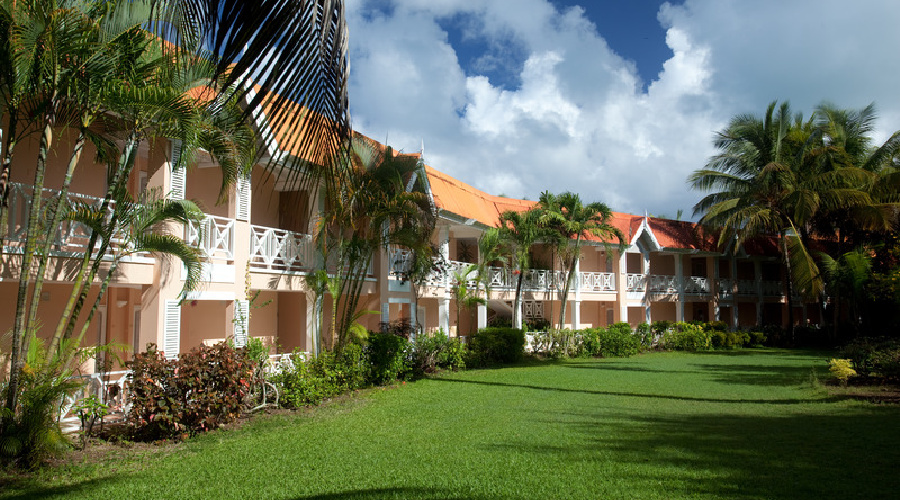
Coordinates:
column 399, row 260
column 70, row 237
column 726, row 288
column 279, row 250
column 772, row 288
column 214, row 235
column 663, row 283
column 746, row 287
column 697, row 285
column 635, row 282
column 597, row 282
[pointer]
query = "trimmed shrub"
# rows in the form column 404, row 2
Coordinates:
column 686, row 337
column 874, row 355
column 427, row 353
column 387, row 356
column 496, row 345
column 618, row 341
column 197, row 392
column 325, row 376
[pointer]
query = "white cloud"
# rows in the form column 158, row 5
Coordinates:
column 578, row 119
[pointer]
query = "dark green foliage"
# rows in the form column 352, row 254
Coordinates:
column 722, row 339
column 874, row 356
column 387, row 356
column 616, row 341
column 537, row 325
column 325, row 376
column 428, row 353
column 33, row 434
column 197, row 392
column 496, row 345
column 686, row 337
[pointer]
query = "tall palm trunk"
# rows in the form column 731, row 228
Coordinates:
column 55, row 220
column 518, row 320
column 788, row 283
column 4, row 173
column 87, row 271
column 20, row 338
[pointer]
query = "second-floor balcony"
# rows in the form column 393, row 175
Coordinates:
column 506, row 279
column 214, row 235
column 279, row 250
column 69, row 238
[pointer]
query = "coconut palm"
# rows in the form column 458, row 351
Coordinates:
column 778, row 176
column 374, row 200
column 521, row 230
column 567, row 217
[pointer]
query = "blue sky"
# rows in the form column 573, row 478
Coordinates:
column 616, row 100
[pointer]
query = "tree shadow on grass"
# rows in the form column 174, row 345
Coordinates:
column 28, row 488
column 398, row 493
column 619, row 367
column 787, row 401
column 850, row 454
column 758, row 375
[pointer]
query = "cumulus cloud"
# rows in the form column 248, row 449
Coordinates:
column 577, row 117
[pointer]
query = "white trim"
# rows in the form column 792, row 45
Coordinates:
column 207, row 295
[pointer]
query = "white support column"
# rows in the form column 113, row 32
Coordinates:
column 576, row 304
column 757, row 274
column 482, row 316
column 622, row 290
column 714, row 290
column 735, row 320
column 679, row 287
column 444, row 314
column 645, row 270
column 313, row 322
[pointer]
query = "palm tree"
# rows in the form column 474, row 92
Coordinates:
column 463, row 296
column 374, row 200
column 569, row 218
column 778, row 176
column 520, row 230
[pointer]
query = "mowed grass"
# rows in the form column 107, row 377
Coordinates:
column 743, row 424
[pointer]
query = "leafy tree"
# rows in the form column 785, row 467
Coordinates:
column 375, row 199
column 520, row 230
column 573, row 221
column 772, row 177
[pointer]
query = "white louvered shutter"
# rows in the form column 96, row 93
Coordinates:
column 172, row 329
column 241, row 322
column 243, row 199
column 178, row 183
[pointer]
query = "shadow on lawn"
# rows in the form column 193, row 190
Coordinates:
column 29, row 489
column 790, row 401
column 850, row 454
column 383, row 493
column 761, row 375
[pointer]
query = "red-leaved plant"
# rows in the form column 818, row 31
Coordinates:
column 198, row 392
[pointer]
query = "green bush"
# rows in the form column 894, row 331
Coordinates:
column 387, row 356
column 686, row 337
column 728, row 340
column 197, row 392
column 496, row 345
column 646, row 336
column 430, row 352
column 874, row 355
column 327, row 375
column 618, row 341
column 757, row 338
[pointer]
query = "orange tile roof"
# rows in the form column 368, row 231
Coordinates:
column 461, row 199
column 682, row 235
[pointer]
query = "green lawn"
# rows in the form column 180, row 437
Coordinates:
column 743, row 424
